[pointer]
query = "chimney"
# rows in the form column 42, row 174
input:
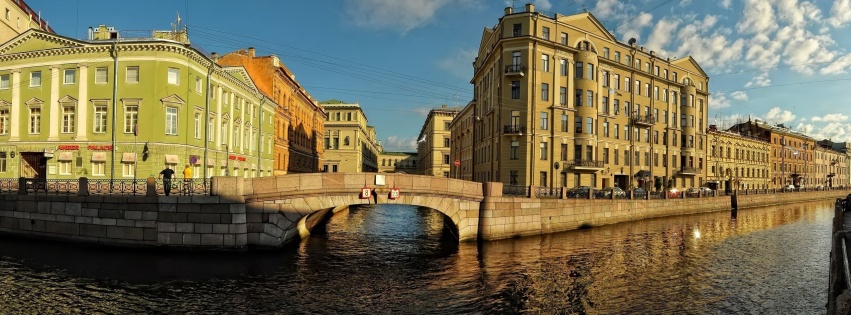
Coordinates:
column 530, row 7
column 509, row 10
column 251, row 52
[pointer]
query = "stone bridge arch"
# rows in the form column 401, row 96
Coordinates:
column 283, row 209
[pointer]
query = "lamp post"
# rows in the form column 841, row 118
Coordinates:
column 227, row 160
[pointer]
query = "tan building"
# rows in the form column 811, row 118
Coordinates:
column 559, row 102
column 299, row 120
column 433, row 144
column 350, row 144
column 792, row 156
column 17, row 18
column 737, row 161
column 830, row 167
column 397, row 162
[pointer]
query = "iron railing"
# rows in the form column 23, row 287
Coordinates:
column 644, row 120
column 515, row 68
column 513, row 129
column 515, row 190
column 136, row 187
column 586, row 163
column 185, row 187
column 547, row 192
column 118, row 187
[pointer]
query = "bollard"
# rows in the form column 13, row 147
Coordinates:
column 151, row 186
column 83, row 189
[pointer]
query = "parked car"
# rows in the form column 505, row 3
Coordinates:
column 692, row 192
column 789, row 188
column 706, row 191
column 674, row 193
column 579, row 192
column 607, row 192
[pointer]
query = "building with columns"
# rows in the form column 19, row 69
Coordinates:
column 299, row 120
column 559, row 102
column 351, row 145
column 112, row 107
column 433, row 144
column 18, row 17
column 397, row 162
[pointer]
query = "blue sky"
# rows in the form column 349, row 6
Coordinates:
column 781, row 61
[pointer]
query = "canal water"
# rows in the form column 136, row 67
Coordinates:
column 392, row 259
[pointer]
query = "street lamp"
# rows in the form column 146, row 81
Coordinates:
column 227, row 160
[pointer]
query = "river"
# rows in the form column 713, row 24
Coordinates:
column 393, row 259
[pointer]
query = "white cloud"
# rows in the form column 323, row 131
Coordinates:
column 661, row 35
column 726, row 4
column 633, row 28
column 605, row 9
column 684, row 3
column 761, row 80
column 403, row 15
column 840, row 13
column 838, row 66
column 542, row 5
column 397, row 144
column 718, row 100
column 806, row 129
column 739, row 96
column 831, row 118
column 779, row 116
column 459, row 62
column 758, row 18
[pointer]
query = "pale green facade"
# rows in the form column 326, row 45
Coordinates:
column 56, row 102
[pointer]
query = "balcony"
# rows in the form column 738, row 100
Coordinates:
column 513, row 129
column 514, row 70
column 585, row 165
column 643, row 121
column 689, row 171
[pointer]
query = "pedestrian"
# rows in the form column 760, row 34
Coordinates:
column 187, row 180
column 167, row 174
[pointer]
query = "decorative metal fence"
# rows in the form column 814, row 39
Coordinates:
column 185, row 187
column 135, row 187
column 547, row 192
column 118, row 187
column 515, row 190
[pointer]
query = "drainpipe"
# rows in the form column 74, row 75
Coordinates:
column 533, row 67
column 114, row 108
column 259, row 134
column 207, row 117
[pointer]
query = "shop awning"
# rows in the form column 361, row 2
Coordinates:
column 223, row 163
column 128, row 157
column 65, row 156
column 253, row 166
column 98, row 156
column 211, row 162
column 172, row 159
column 234, row 164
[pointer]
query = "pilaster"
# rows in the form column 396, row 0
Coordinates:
column 16, row 106
column 53, row 104
column 82, row 103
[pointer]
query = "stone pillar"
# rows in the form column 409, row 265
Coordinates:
column 82, row 103
column 151, row 187
column 53, row 104
column 227, row 186
column 532, row 190
column 83, row 189
column 14, row 131
column 22, row 186
column 492, row 189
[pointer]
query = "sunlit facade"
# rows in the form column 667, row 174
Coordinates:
column 351, row 145
column 433, row 144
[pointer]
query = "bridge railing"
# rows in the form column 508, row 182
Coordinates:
column 134, row 187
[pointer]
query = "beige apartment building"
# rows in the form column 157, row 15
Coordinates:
column 559, row 102
column 737, row 161
column 433, row 143
column 18, row 17
column 350, row 144
column 830, row 167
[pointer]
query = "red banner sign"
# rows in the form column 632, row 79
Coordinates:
column 100, row 147
column 68, row 147
column 241, row 158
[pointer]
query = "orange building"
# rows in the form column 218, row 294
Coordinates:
column 299, row 119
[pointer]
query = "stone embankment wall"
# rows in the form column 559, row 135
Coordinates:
column 173, row 221
column 505, row 217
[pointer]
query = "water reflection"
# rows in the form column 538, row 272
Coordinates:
column 403, row 260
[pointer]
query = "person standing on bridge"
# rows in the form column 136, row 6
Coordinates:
column 187, row 180
column 166, row 174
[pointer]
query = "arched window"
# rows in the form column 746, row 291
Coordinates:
column 346, row 140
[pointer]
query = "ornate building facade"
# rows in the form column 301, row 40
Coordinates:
column 738, row 161
column 299, row 120
column 18, row 17
column 116, row 108
column 434, row 141
column 559, row 102
column 351, row 145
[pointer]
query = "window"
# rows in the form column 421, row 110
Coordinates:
column 656, row 92
column 544, row 121
column 98, row 168
column 577, row 100
column 131, row 117
column 647, row 89
column 67, row 119
column 8, row 14
column 605, row 129
column 210, row 136
column 578, row 72
column 446, row 159
column 589, row 125
column 606, row 52
column 100, row 117
column 445, row 142
column 565, row 127
column 606, row 155
column 517, row 29
column 35, row 78
column 543, row 176
column 35, row 120
column 198, row 85
column 545, row 63
column 618, row 56
column 564, row 38
column 564, row 151
column 577, row 125
column 64, row 167
column 545, row 33
column 173, row 76
column 3, row 162
column 515, row 90
column 515, row 119
column 590, row 75
column 197, row 125
column 589, row 98
column 101, row 75
column 171, row 120
column 4, row 82
column 70, row 76
column 563, row 67
column 562, row 92
column 446, row 125
column 132, row 75
column 513, row 152
column 626, row 83
column 656, row 70
column 605, row 105
column 543, row 151
column 4, row 121
column 646, row 67
column 627, row 60
column 616, row 158
column 545, row 92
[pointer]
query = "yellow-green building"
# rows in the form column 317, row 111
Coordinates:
column 113, row 107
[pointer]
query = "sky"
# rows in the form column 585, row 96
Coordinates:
column 780, row 61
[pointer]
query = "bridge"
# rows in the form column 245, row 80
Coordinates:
column 282, row 209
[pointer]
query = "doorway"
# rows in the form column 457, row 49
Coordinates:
column 34, row 165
